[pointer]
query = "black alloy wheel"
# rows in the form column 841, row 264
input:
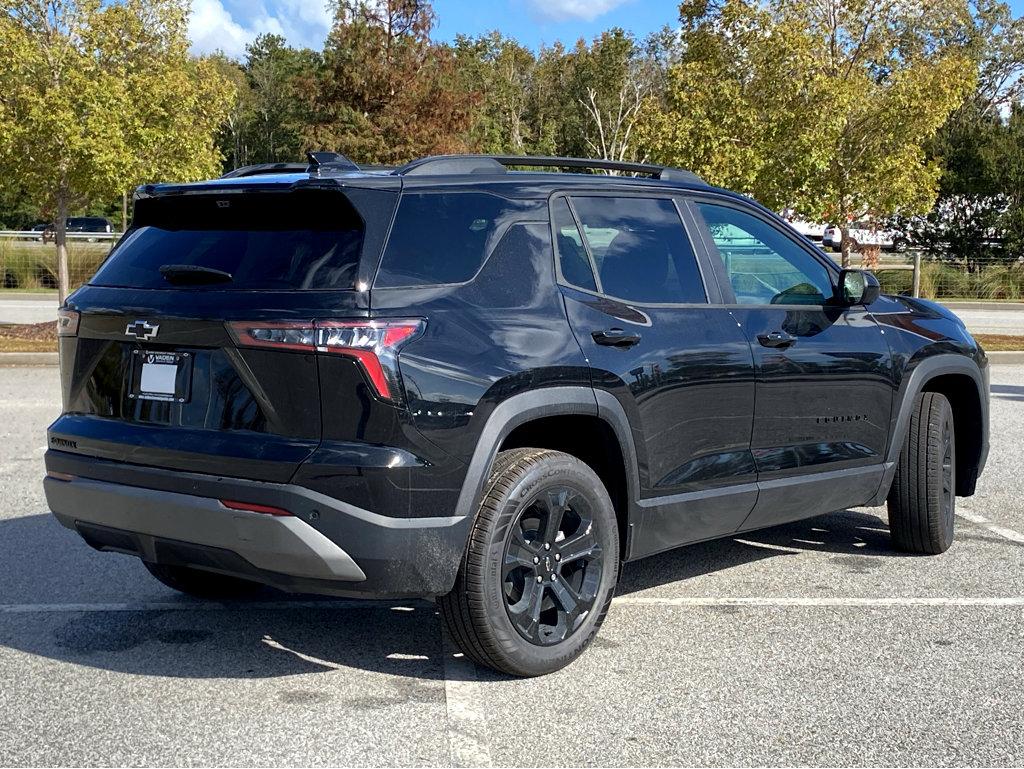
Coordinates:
column 540, row 566
column 552, row 568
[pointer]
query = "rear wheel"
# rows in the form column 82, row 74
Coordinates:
column 540, row 567
column 202, row 584
column 922, row 500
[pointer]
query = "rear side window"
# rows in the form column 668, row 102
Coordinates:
column 440, row 238
column 306, row 239
column 572, row 254
column 640, row 250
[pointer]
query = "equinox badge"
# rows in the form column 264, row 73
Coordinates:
column 142, row 330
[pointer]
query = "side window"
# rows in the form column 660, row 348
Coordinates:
column 640, row 249
column 440, row 238
column 763, row 265
column 572, row 254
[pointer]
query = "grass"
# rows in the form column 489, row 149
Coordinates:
column 1000, row 342
column 27, row 345
column 30, row 267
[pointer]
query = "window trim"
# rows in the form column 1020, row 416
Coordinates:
column 660, row 194
column 714, row 256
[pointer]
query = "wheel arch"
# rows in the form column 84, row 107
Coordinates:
column 590, row 425
column 965, row 384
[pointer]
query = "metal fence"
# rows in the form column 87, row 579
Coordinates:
column 29, row 259
column 919, row 273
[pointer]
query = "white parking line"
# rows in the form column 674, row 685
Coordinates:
column 467, row 723
column 985, row 523
column 844, row 601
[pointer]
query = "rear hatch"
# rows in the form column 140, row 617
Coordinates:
column 194, row 347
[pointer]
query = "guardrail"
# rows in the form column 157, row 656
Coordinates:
column 38, row 235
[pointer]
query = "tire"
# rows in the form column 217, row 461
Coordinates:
column 900, row 245
column 203, row 584
column 922, row 500
column 539, row 508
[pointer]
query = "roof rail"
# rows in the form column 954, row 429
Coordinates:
column 266, row 168
column 477, row 164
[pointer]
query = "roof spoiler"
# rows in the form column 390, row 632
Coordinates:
column 320, row 163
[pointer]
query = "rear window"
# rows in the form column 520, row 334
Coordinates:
column 442, row 238
column 306, row 239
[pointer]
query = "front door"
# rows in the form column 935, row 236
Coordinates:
column 824, row 378
column 680, row 368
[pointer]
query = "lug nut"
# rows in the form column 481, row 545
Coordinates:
column 553, row 575
column 558, row 556
column 540, row 578
column 536, row 559
column 547, row 545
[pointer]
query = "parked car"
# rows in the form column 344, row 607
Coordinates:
column 491, row 387
column 76, row 224
column 867, row 234
column 809, row 229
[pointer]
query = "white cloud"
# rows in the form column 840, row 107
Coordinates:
column 213, row 26
column 564, row 10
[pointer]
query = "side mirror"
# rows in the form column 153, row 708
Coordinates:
column 857, row 287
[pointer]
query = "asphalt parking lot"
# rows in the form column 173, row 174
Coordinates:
column 812, row 643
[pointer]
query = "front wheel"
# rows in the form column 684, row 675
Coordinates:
column 922, row 500
column 540, row 567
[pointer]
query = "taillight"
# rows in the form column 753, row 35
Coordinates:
column 67, row 322
column 374, row 343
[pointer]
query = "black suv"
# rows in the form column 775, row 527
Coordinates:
column 471, row 379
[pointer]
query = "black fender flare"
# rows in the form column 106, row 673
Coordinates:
column 911, row 386
column 536, row 404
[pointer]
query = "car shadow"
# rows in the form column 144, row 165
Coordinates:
column 48, row 571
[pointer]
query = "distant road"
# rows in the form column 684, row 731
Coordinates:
column 980, row 317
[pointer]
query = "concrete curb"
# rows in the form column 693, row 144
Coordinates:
column 1006, row 357
column 28, row 359
column 968, row 305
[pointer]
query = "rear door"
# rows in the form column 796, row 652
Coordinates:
column 677, row 363
column 824, row 375
column 190, row 351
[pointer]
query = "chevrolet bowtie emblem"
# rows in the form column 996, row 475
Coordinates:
column 142, row 330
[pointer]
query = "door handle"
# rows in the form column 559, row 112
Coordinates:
column 615, row 337
column 776, row 339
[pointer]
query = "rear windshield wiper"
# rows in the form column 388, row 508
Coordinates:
column 193, row 275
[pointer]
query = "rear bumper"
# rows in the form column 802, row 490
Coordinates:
column 324, row 547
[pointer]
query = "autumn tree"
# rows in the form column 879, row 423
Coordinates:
column 385, row 92
column 97, row 97
column 825, row 106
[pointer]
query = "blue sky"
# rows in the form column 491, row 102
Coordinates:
column 228, row 25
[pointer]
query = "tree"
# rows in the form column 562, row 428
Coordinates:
column 612, row 78
column 501, row 72
column 824, row 106
column 385, row 93
column 98, row 97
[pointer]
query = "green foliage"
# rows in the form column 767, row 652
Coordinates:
column 98, row 97
column 822, row 107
